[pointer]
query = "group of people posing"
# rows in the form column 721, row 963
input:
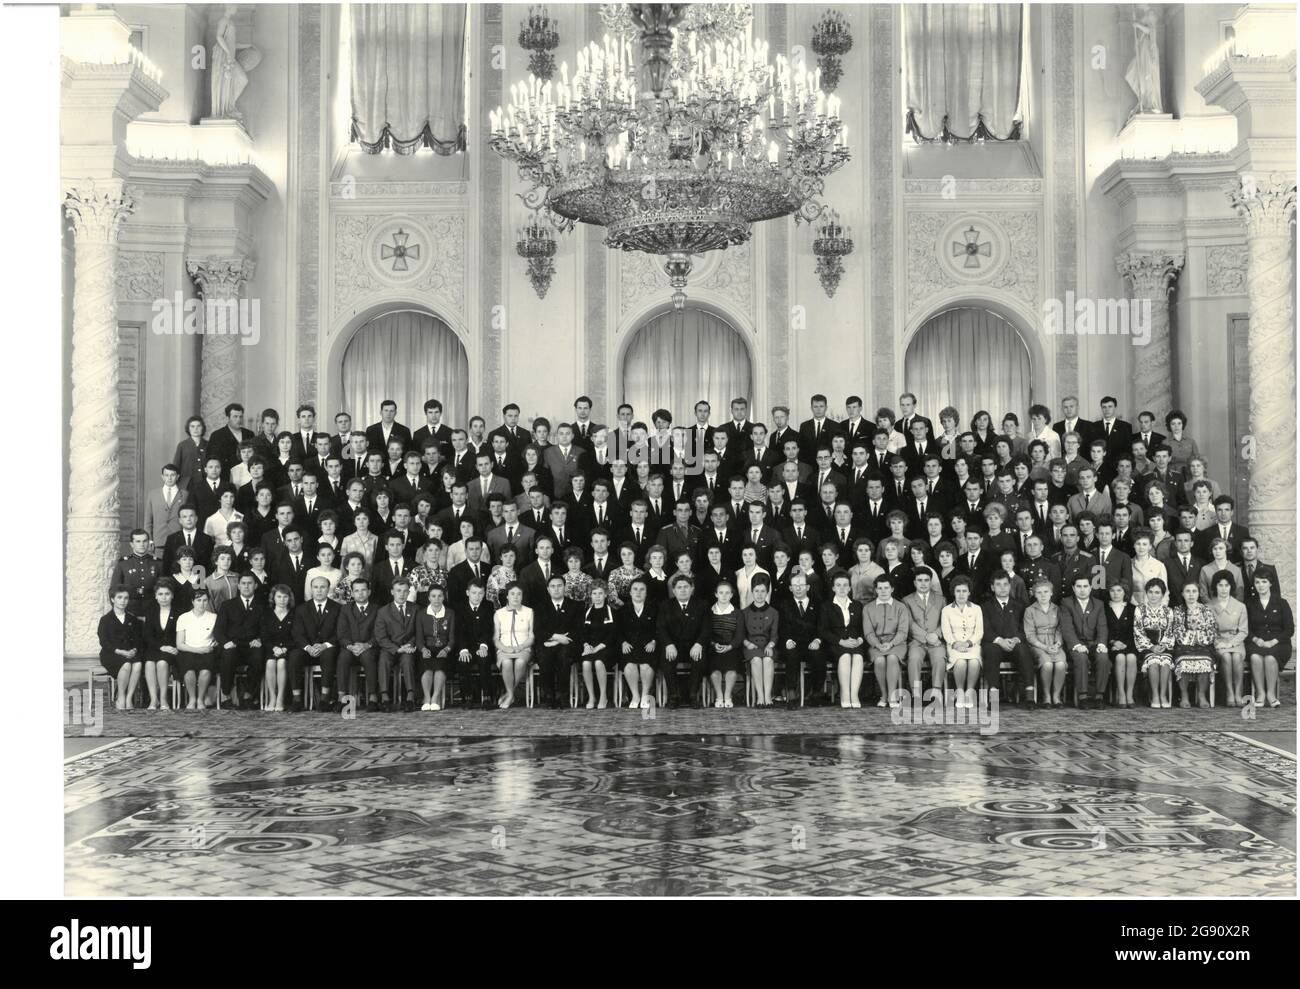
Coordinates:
column 1092, row 556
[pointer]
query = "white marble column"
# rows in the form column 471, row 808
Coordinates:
column 96, row 211
column 220, row 281
column 1268, row 208
column 1152, row 274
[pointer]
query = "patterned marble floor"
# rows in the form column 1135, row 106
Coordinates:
column 1070, row 814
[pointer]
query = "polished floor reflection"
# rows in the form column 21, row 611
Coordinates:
column 1071, row 814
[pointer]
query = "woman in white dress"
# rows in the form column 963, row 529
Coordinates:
column 962, row 624
column 514, row 642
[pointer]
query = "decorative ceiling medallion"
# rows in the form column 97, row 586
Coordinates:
column 398, row 250
column 972, row 248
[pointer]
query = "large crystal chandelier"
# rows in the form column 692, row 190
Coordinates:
column 682, row 153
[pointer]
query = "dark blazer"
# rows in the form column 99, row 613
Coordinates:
column 203, row 547
column 675, row 541
column 627, row 535
column 1078, row 626
column 312, row 628
column 114, row 635
column 1236, row 533
column 382, row 577
column 189, row 459
column 802, row 628
column 281, row 567
column 1118, row 567
column 808, row 441
column 441, row 436
column 405, row 491
column 458, row 580
column 375, row 437
column 224, row 445
column 1180, row 576
column 1261, row 570
column 833, row 628
column 985, row 564
column 592, row 569
column 810, row 541
column 392, row 630
column 156, row 635
column 356, row 627
column 1274, row 622
column 276, row 633
column 637, row 629
column 516, row 439
column 730, row 547
column 904, row 426
column 679, row 628
column 547, row 621
column 1120, row 439
column 475, row 628
column 1003, row 623
column 1084, row 427
column 300, row 450
column 238, row 624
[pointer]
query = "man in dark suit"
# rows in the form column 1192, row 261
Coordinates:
column 584, row 427
column 395, row 638
column 916, row 508
column 897, row 490
column 1084, row 634
column 556, row 627
column 411, row 483
column 315, row 464
column 977, row 564
column 1071, row 560
column 239, row 625
column 1184, row 565
column 472, row 569
column 1224, row 528
column 476, row 653
column 510, row 533
column 390, row 566
column 816, row 432
column 1113, row 564
column 189, row 535
column 803, row 652
column 781, row 431
column 919, row 447
column 843, row 534
column 534, row 576
column 800, row 534
column 224, row 443
column 461, row 458
column 791, row 486
column 1252, row 568
column 855, row 427
column 759, row 535
column 603, row 560
column 342, row 441
column 907, row 414
column 679, row 639
column 316, row 643
column 1004, row 638
column 640, row 531
column 972, row 505
column 1117, row 433
column 289, row 563
column 827, row 474
column 1145, row 431
column 205, row 491
column 516, row 436
column 760, row 451
column 451, row 516
column 307, row 508
column 507, row 463
column 1071, row 423
column 358, row 644
column 875, row 509
column 721, row 533
column 304, row 439
column 738, row 426
column 383, row 432
column 434, row 429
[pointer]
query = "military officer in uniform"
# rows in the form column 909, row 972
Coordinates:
column 138, row 572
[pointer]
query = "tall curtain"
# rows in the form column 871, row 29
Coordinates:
column 971, row 359
column 408, row 76
column 409, row 357
column 963, row 70
column 683, row 356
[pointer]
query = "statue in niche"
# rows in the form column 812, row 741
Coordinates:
column 1143, row 73
column 231, row 63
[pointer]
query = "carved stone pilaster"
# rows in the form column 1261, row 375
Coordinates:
column 96, row 212
column 220, row 280
column 1152, row 275
column 1268, row 208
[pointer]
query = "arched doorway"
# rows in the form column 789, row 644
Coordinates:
column 972, row 359
column 678, row 357
column 409, row 356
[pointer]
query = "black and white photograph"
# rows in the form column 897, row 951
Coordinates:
column 643, row 451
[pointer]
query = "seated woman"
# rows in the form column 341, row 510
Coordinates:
column 1153, row 635
column 1268, row 644
column 723, row 634
column 760, row 633
column 435, row 632
column 160, row 650
column 1043, row 633
column 599, row 633
column 1218, row 563
column 197, row 648
column 361, row 541
column 1123, row 653
column 1195, row 630
column 121, row 650
column 277, row 640
column 636, row 634
column 224, row 582
column 962, row 624
column 1232, row 627
column 513, row 625
column 842, row 637
column 863, row 574
column 502, row 575
column 749, row 571
column 886, row 624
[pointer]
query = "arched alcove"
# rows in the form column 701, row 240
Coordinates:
column 674, row 358
column 404, row 353
column 972, row 357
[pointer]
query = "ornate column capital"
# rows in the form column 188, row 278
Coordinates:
column 220, row 278
column 1152, row 272
column 96, row 210
column 1267, row 204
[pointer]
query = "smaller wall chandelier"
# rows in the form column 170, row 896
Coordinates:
column 831, row 41
column 536, row 245
column 538, row 37
column 833, row 243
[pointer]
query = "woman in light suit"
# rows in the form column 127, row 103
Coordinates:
column 513, row 633
column 1230, row 640
column 1043, row 633
column 963, row 628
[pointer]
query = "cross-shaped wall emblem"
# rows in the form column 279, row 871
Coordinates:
column 400, row 251
column 971, row 248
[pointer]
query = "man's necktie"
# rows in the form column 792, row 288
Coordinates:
column 546, row 572
column 510, row 534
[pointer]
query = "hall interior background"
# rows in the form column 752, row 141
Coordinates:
column 1081, row 204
